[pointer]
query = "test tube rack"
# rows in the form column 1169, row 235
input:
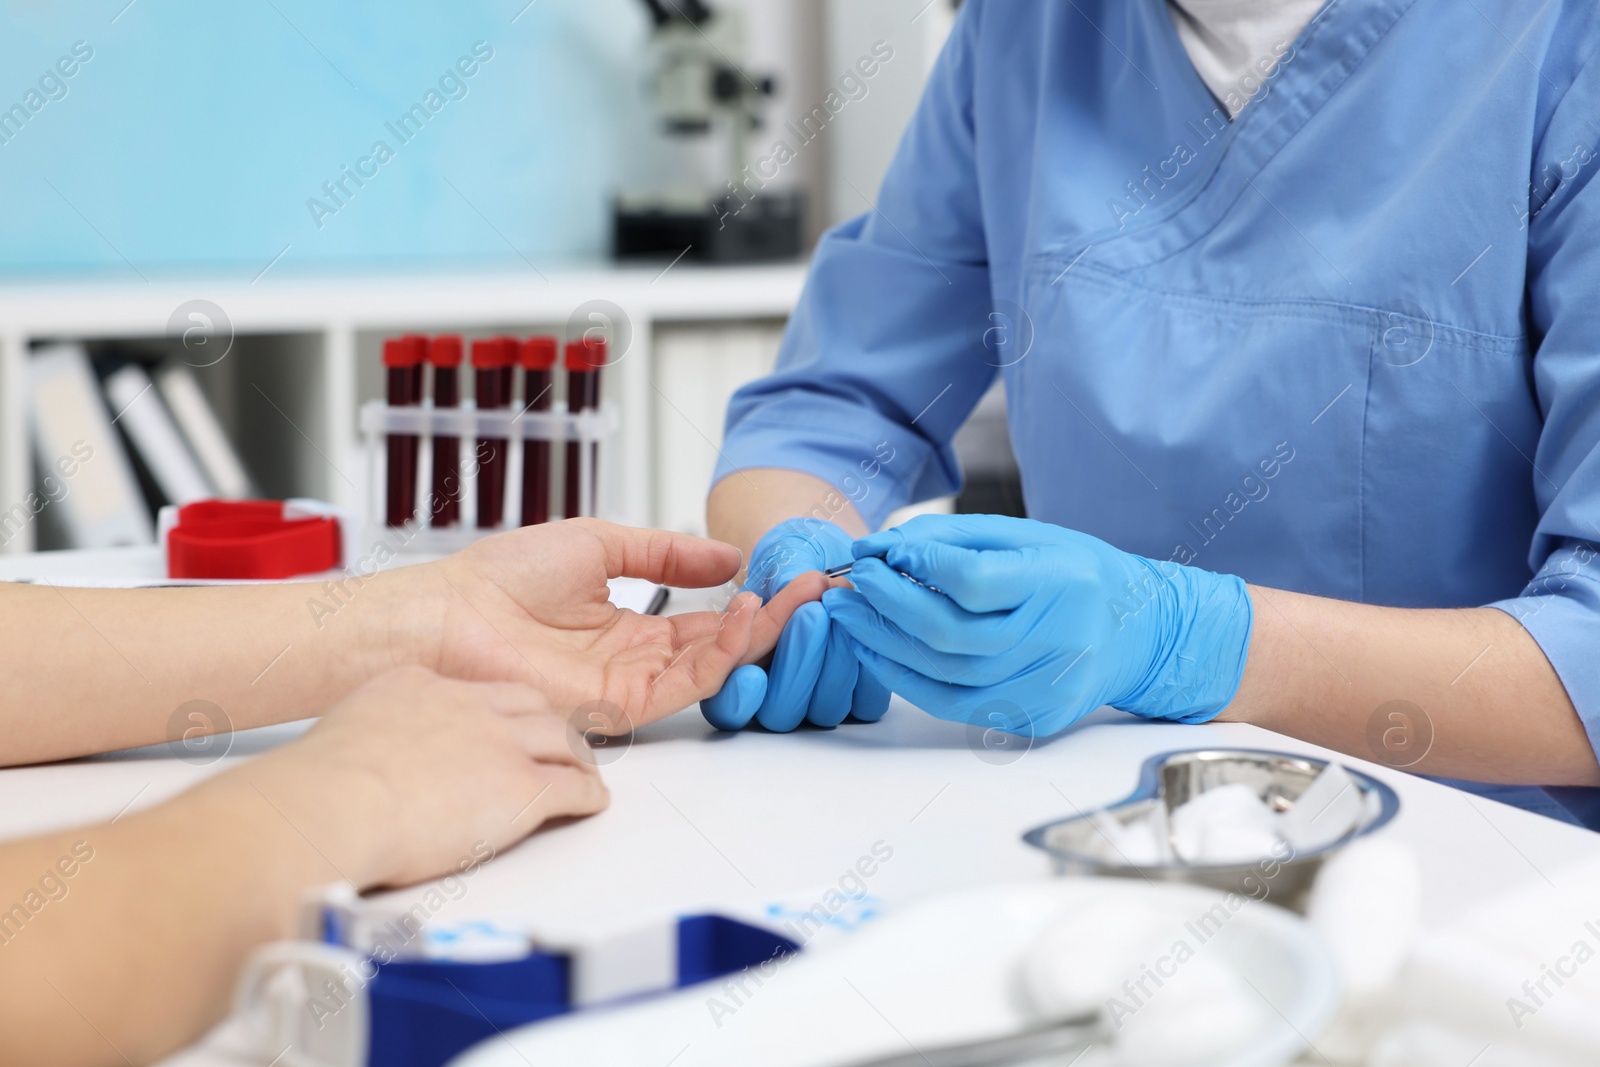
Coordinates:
column 513, row 427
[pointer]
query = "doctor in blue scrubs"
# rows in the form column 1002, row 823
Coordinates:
column 1297, row 308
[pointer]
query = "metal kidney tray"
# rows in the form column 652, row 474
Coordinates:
column 1170, row 779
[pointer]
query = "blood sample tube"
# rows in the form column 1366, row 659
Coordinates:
column 492, row 358
column 402, row 356
column 507, row 370
column 418, row 344
column 505, row 382
column 538, row 358
column 585, row 357
column 444, row 354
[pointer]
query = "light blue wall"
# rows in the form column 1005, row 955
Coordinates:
column 195, row 136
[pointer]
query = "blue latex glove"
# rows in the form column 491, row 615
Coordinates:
column 1039, row 625
column 816, row 674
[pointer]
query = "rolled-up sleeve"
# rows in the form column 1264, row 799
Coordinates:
column 879, row 367
column 1560, row 608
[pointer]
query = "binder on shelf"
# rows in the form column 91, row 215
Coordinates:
column 155, row 435
column 99, row 504
column 199, row 423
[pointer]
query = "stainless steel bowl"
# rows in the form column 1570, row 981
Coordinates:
column 1172, row 778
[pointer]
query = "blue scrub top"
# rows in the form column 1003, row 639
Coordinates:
column 1348, row 344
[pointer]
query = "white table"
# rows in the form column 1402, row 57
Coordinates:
column 700, row 818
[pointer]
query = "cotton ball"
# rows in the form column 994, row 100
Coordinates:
column 1198, row 1016
column 1083, row 959
column 1366, row 905
column 1228, row 844
column 1228, row 824
column 1121, row 843
column 1140, row 847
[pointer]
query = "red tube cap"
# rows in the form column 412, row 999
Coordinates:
column 493, row 353
column 539, row 353
column 445, row 350
column 407, row 351
column 586, row 353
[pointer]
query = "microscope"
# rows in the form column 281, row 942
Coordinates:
column 701, row 88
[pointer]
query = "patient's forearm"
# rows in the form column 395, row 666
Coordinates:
column 1479, row 699
column 89, row 670
column 746, row 504
column 121, row 942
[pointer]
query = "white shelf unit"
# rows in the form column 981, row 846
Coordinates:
column 306, row 354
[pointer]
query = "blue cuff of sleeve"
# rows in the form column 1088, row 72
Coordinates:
column 1560, row 609
column 877, row 466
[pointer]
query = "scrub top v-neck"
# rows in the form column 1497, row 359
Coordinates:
column 1234, row 44
column 1345, row 344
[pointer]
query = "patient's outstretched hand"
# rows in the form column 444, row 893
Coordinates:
column 532, row 605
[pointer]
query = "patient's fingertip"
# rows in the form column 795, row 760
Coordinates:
column 727, row 556
column 819, row 582
column 806, row 587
